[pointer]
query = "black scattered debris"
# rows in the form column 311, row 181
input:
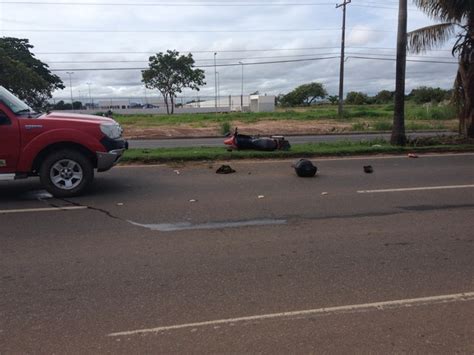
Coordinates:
column 368, row 169
column 305, row 168
column 225, row 169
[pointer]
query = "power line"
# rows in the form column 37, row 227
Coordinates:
column 225, row 59
column 408, row 60
column 210, row 4
column 193, row 51
column 200, row 4
column 203, row 4
column 203, row 66
column 262, row 63
column 382, row 7
column 229, row 50
column 190, row 31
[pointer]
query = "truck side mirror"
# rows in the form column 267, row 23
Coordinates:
column 4, row 120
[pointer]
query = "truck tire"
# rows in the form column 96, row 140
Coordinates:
column 66, row 173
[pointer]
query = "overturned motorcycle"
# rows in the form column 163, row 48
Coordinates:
column 242, row 141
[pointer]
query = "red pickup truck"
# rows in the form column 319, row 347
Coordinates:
column 63, row 149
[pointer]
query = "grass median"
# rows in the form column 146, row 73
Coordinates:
column 343, row 148
column 323, row 112
column 311, row 120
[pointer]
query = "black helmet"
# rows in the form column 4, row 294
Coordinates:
column 304, row 168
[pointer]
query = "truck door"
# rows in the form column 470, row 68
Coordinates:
column 9, row 142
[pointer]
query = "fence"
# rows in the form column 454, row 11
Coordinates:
column 231, row 103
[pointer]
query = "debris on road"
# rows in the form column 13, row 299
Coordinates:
column 261, row 196
column 324, row 193
column 120, row 204
column 225, row 169
column 305, row 168
column 192, row 201
column 412, row 155
column 177, row 172
column 368, row 169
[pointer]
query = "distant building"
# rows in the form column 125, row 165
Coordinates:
column 259, row 103
column 253, row 103
column 124, row 104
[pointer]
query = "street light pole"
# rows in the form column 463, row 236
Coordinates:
column 343, row 44
column 218, row 90
column 70, row 86
column 215, row 79
column 242, row 89
column 90, row 96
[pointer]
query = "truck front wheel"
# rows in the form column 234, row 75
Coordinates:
column 66, row 173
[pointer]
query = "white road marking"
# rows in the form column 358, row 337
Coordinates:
column 7, row 177
column 170, row 227
column 417, row 189
column 366, row 307
column 48, row 209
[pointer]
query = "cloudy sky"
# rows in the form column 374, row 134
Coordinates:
column 99, row 34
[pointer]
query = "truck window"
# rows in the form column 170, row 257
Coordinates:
column 4, row 120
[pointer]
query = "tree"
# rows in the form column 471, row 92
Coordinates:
column 61, row 105
column 384, row 97
column 398, row 130
column 333, row 99
column 170, row 73
column 24, row 75
column 304, row 94
column 423, row 94
column 453, row 15
column 356, row 98
column 77, row 105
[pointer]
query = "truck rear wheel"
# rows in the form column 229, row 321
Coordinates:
column 66, row 173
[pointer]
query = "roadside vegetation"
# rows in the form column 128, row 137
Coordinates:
column 358, row 118
column 343, row 148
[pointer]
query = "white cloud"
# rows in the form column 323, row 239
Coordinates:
column 361, row 75
column 364, row 36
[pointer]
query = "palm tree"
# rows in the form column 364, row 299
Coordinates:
column 398, row 130
column 457, row 20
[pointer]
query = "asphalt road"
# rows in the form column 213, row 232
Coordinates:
column 180, row 260
column 218, row 142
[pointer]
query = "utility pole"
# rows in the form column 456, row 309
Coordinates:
column 80, row 98
column 90, row 96
column 343, row 45
column 70, row 86
column 398, row 131
column 146, row 99
column 218, row 90
column 215, row 80
column 242, row 89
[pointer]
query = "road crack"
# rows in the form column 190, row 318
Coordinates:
column 97, row 209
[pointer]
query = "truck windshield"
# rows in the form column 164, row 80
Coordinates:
column 14, row 103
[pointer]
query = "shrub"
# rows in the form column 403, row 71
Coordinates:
column 225, row 128
column 382, row 126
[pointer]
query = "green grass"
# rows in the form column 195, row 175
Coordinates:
column 431, row 113
column 383, row 125
column 225, row 128
column 298, row 150
column 358, row 126
column 324, row 112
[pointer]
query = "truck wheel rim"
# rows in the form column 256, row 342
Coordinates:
column 66, row 174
